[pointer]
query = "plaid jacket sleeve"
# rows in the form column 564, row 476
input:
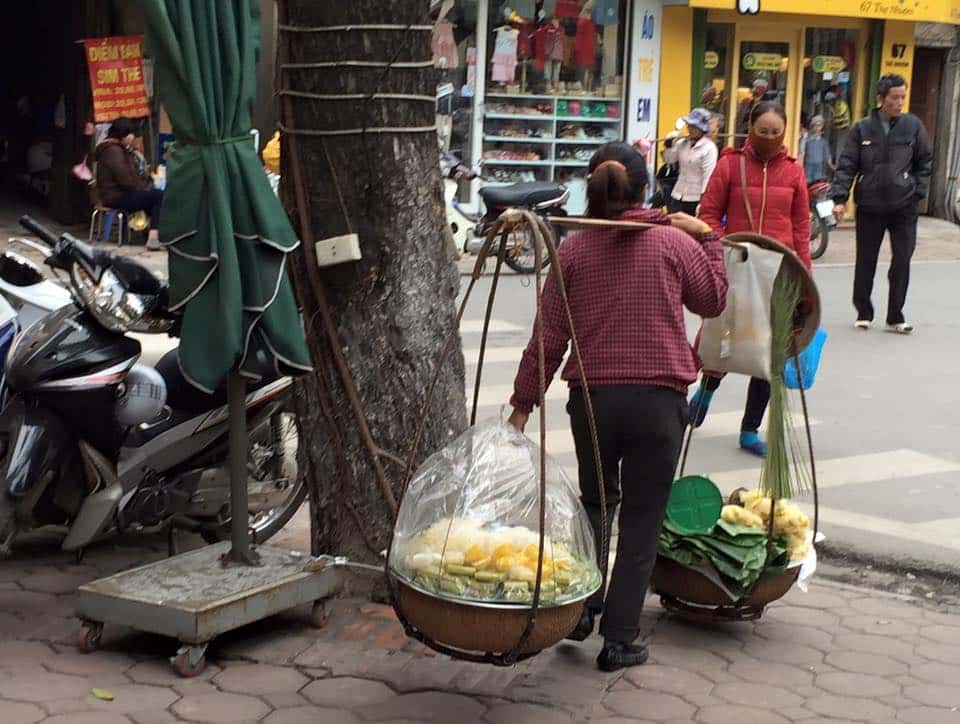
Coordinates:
column 704, row 275
column 556, row 336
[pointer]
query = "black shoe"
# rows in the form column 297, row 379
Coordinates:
column 584, row 626
column 619, row 656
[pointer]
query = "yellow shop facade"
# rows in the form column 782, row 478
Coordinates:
column 817, row 57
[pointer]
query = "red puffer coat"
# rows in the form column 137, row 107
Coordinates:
column 778, row 198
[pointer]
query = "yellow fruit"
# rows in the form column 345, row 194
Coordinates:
column 505, row 563
column 474, row 554
column 504, row 549
column 736, row 515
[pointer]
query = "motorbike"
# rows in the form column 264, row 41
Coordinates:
column 469, row 231
column 97, row 443
column 821, row 217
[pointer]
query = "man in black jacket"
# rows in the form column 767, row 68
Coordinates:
column 888, row 155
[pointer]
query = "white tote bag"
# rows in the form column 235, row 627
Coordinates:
column 739, row 340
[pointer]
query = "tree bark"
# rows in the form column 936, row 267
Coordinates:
column 395, row 309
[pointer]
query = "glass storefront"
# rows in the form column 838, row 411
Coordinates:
column 718, row 74
column 553, row 91
column 829, row 61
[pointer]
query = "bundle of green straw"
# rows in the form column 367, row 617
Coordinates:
column 784, row 455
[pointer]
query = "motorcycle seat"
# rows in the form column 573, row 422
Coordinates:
column 523, row 195
column 184, row 397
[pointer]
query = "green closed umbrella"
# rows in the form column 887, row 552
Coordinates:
column 225, row 230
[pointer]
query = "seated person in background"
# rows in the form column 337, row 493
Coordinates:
column 122, row 180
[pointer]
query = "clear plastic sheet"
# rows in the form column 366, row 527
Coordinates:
column 468, row 527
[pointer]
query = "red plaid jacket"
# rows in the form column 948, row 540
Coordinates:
column 627, row 290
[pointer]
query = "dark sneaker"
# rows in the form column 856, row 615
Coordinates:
column 619, row 656
column 584, row 626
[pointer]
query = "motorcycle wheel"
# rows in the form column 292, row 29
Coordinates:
column 272, row 464
column 819, row 236
column 520, row 254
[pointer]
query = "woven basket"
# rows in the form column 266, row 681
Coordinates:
column 685, row 584
column 484, row 629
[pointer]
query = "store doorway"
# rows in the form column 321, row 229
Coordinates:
column 924, row 95
column 765, row 69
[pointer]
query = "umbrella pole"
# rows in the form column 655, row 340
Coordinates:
column 240, row 551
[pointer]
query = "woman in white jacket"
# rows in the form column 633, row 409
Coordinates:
column 696, row 156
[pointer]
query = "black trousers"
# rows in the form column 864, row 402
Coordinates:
column 758, row 397
column 687, row 207
column 149, row 200
column 640, row 431
column 871, row 226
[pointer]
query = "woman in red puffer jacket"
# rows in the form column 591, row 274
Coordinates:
column 775, row 204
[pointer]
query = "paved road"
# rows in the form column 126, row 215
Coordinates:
column 884, row 411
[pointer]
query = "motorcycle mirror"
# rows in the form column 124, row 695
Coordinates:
column 680, row 124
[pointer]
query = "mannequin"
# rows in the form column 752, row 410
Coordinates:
column 585, row 46
column 553, row 40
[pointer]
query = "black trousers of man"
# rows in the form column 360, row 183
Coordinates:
column 872, row 224
column 640, row 432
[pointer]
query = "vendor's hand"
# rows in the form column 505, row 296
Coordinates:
column 838, row 211
column 689, row 224
column 519, row 419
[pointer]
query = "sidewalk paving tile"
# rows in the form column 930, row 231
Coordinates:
column 312, row 715
column 848, row 684
column 937, row 673
column 526, row 714
column 220, row 708
column 131, row 698
column 668, row 679
column 726, row 714
column 928, row 715
column 862, row 663
column 97, row 717
column 260, row 679
column 426, row 706
column 771, row 673
column 935, row 695
column 757, row 694
column 347, row 692
column 15, row 712
column 649, row 704
column 849, row 707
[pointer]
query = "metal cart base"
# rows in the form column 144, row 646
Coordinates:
column 193, row 598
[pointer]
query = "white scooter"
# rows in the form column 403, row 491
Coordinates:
column 470, row 230
column 25, row 287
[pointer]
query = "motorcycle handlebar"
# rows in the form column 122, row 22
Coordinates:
column 35, row 227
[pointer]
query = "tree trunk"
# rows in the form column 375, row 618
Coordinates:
column 393, row 310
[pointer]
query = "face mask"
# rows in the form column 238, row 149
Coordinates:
column 766, row 147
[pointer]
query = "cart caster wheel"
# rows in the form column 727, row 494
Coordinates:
column 90, row 635
column 190, row 661
column 318, row 615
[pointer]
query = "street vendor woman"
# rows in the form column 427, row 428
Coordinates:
column 627, row 288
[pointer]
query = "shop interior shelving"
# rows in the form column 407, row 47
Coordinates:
column 552, row 157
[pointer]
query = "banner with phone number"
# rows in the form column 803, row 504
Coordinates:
column 116, row 77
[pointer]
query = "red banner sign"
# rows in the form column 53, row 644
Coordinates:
column 116, row 76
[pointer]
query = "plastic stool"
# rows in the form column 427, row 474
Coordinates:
column 101, row 224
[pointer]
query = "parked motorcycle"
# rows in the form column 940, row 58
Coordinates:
column 95, row 442
column 821, row 217
column 544, row 198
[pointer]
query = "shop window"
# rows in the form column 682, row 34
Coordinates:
column 717, row 77
column 455, row 57
column 829, row 61
column 762, row 75
column 554, row 89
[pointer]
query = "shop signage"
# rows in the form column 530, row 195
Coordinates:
column 116, row 77
column 643, row 83
column 937, row 11
column 762, row 61
column 711, row 59
column 828, row 64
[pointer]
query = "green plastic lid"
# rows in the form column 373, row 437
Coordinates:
column 695, row 504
